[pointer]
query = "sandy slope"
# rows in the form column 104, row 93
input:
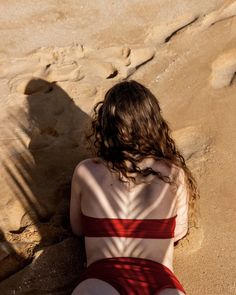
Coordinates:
column 185, row 51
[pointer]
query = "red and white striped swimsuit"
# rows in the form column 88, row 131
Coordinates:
column 129, row 275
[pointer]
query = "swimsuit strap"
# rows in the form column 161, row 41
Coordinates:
column 128, row 228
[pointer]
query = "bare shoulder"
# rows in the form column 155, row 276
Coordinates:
column 168, row 168
column 165, row 166
column 90, row 164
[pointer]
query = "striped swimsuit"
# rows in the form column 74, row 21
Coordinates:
column 129, row 275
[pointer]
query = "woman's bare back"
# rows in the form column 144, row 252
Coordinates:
column 103, row 195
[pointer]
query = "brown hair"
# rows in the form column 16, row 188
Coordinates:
column 127, row 127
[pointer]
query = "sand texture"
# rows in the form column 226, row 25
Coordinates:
column 57, row 59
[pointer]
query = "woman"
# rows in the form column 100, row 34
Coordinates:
column 133, row 201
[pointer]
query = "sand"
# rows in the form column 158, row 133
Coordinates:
column 57, row 60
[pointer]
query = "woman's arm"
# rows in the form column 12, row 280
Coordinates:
column 75, row 204
column 181, row 228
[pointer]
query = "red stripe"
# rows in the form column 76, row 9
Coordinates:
column 129, row 228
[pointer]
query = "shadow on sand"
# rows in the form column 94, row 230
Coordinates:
column 50, row 142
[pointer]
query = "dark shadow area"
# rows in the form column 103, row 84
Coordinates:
column 55, row 271
column 9, row 257
column 50, row 142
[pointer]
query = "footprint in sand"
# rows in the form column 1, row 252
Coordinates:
column 60, row 72
column 116, row 62
column 97, row 67
column 59, row 55
column 51, row 72
column 163, row 33
column 118, row 56
column 223, row 69
column 59, row 58
column 74, row 63
column 136, row 58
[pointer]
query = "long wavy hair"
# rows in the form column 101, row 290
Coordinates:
column 127, row 127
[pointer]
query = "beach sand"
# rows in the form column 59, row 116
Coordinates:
column 57, row 60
